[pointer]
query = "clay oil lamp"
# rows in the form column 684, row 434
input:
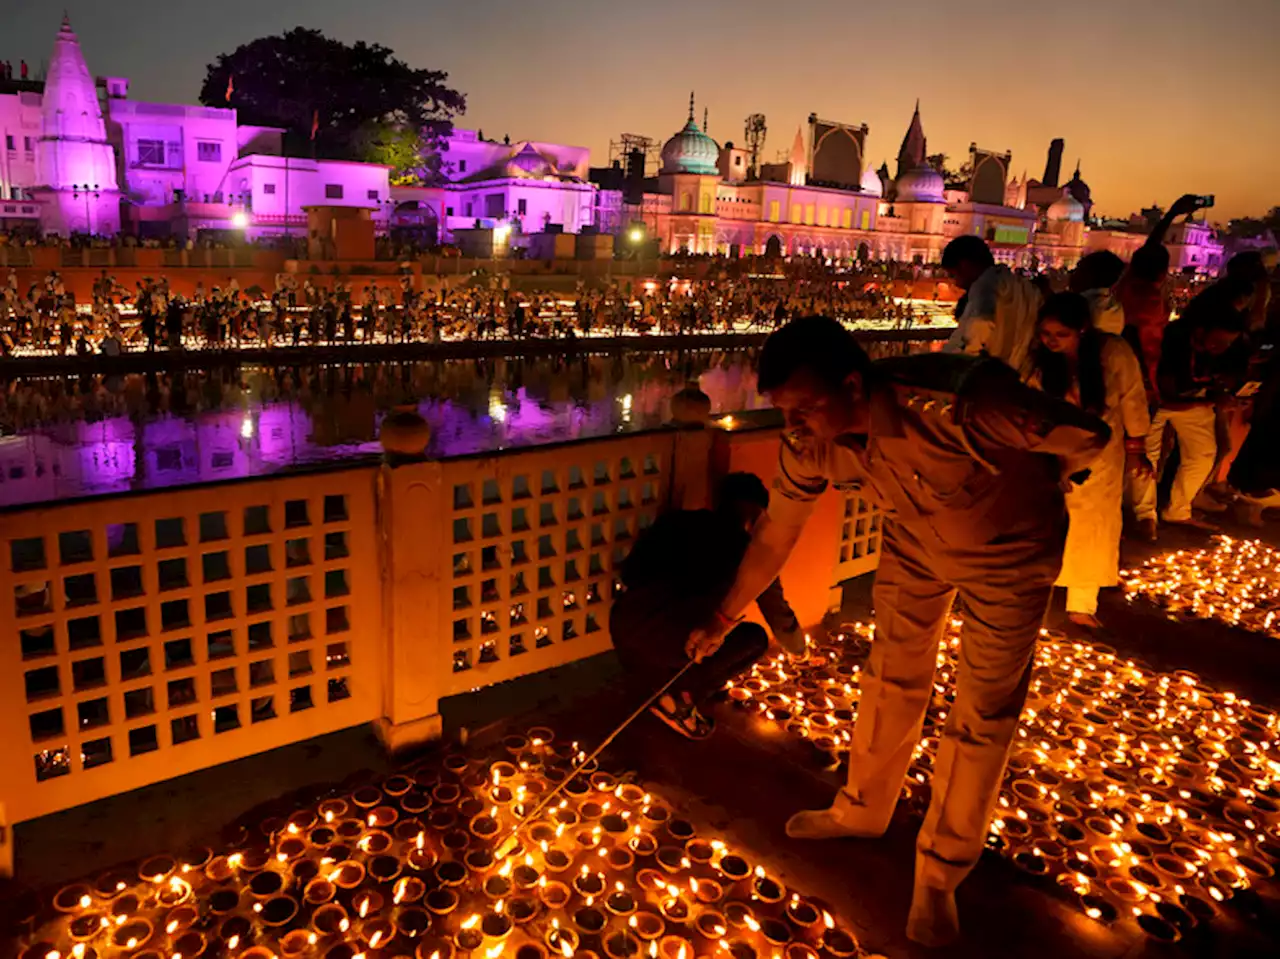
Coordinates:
column 557, row 860
column 321, row 836
column 524, row 876
column 561, row 940
column 766, row 890
column 483, row 826
column 456, row 763
column 347, row 875
column 266, row 884
column 806, row 919
column 619, row 859
column 87, row 925
column 469, row 938
column 441, row 902
column 220, row 868
column 799, row 950
column 434, row 947
column 614, row 823
column 367, row 903
column 381, row 817
column 553, row 893
column 330, row 810
column 839, row 943
column 620, row 902
column 707, row 891
column 375, row 842
column 420, row 858
column 531, row 950
column 339, row 950
column 223, row 901
column 642, row 844
column 235, row 930
column 73, row 898
column 376, row 931
column 479, row 861
column 497, row 887
column 446, row 794
column 588, row 884
column 451, row 873
column 416, row 801
column 157, row 869
column 318, row 891
column 349, row 830
column 407, row 890
column 522, row 909
column 290, row 848
column 330, row 919
column 296, row 943
column 132, row 934
column 276, row 912
column 590, row 811
column 711, row 924
column 589, row 921
column 699, row 852
column 621, row 945
column 671, row 859
column 455, row 841
column 741, row 949
column 674, row 910
column 675, row 947
column 384, row 869
column 254, row 860
column 366, row 797
column 407, row 830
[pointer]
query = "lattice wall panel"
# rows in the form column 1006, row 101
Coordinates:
column 537, row 539
column 859, row 549
column 149, row 636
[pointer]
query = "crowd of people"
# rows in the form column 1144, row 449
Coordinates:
column 45, row 318
column 1198, row 391
column 1002, row 465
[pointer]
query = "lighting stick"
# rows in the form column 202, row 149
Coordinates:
column 509, row 842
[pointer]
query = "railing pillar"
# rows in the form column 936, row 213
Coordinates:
column 412, row 510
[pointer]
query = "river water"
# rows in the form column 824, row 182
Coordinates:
column 70, row 437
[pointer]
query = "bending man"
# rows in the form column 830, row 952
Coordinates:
column 968, row 463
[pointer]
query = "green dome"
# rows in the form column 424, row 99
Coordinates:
column 690, row 151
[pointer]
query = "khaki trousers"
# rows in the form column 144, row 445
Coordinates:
column 1005, row 598
column 1196, row 430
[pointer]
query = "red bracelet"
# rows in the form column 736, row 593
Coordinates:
column 724, row 620
column 1135, row 444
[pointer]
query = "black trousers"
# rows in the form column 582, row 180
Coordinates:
column 650, row 660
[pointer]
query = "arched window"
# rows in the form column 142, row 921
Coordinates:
column 686, row 202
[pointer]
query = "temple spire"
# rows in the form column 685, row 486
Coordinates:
column 914, row 149
column 706, row 113
column 690, row 106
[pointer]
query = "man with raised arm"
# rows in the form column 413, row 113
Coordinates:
column 969, row 466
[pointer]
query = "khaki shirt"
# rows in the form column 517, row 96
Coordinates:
column 958, row 450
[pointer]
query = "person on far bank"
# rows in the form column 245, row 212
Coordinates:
column 1099, row 373
column 967, row 462
column 999, row 316
column 1200, row 367
column 675, row 578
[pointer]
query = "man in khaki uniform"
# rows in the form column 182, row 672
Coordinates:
column 968, row 463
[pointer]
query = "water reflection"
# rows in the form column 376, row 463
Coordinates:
column 62, row 438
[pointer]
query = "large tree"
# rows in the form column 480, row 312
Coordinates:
column 359, row 97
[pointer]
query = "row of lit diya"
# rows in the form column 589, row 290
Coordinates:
column 407, row 868
column 1234, row 581
column 1149, row 796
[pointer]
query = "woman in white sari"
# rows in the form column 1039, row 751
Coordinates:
column 1099, row 373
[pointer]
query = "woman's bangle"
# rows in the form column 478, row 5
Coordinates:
column 1135, row 444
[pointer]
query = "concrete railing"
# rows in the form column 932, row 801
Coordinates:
column 148, row 636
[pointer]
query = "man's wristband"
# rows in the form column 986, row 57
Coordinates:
column 1135, row 444
column 724, row 621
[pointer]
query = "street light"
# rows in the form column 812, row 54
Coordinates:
column 239, row 219
column 89, row 192
column 636, row 234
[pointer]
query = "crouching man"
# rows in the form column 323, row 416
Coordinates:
column 676, row 578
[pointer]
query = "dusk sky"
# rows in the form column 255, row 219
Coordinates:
column 1155, row 97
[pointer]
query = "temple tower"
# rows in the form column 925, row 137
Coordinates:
column 76, row 165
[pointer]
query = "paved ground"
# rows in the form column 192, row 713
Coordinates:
column 742, row 783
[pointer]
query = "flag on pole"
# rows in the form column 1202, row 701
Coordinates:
column 231, row 86
column 315, row 124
